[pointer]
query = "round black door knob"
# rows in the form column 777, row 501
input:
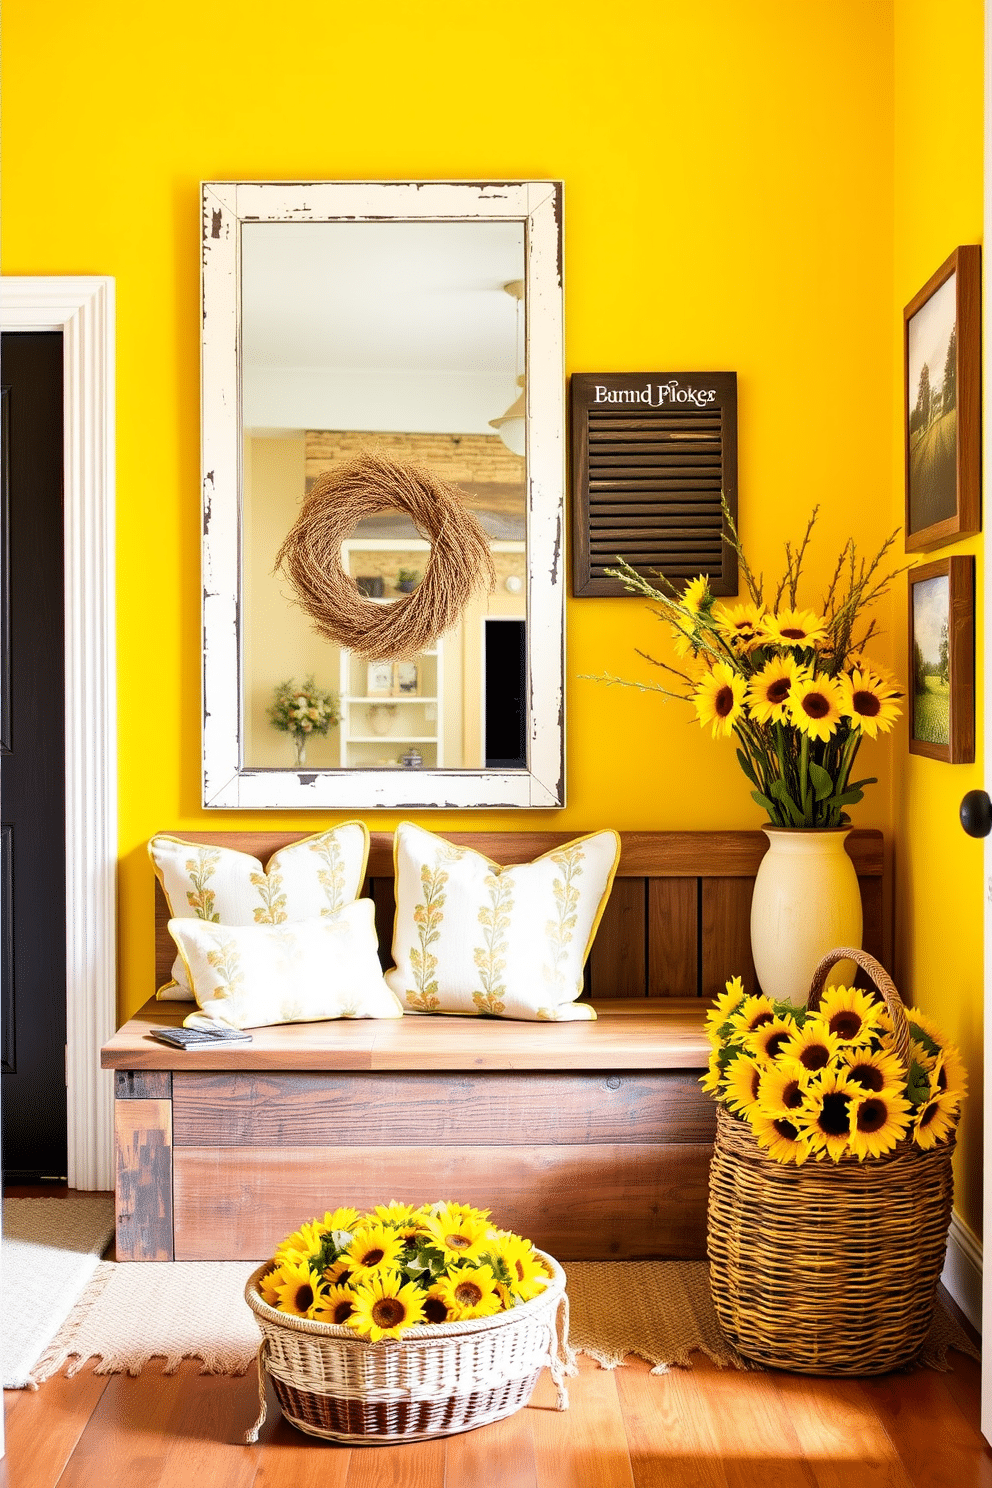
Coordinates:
column 976, row 813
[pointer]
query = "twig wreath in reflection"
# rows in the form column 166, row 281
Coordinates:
column 310, row 558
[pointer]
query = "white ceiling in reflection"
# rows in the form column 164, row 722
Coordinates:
column 379, row 326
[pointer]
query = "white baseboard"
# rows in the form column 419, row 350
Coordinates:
column 962, row 1275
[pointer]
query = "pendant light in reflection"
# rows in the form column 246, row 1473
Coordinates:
column 511, row 426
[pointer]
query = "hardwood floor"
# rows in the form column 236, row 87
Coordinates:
column 699, row 1428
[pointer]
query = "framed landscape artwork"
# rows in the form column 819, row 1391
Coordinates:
column 942, row 371
column 942, row 667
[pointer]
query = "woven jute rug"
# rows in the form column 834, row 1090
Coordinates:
column 51, row 1248
column 659, row 1310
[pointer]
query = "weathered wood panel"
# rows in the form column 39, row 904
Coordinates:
column 673, row 937
column 143, row 1132
column 142, row 1085
column 617, row 962
column 643, row 854
column 380, row 890
column 726, row 938
column 598, row 1202
column 400, row 1110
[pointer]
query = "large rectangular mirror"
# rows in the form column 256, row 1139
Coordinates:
column 422, row 321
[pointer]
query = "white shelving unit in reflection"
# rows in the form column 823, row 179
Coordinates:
column 376, row 730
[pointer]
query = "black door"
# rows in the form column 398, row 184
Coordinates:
column 32, row 759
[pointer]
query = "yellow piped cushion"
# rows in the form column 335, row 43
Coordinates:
column 250, row 976
column 312, row 878
column 475, row 938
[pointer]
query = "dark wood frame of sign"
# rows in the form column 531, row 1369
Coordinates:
column 651, row 454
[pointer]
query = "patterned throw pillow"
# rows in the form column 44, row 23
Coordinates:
column 311, row 878
column 472, row 937
column 248, row 976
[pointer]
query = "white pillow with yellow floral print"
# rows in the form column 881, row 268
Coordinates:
column 472, row 937
column 314, row 877
column 248, row 976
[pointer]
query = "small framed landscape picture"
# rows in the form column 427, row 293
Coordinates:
column 379, row 679
column 941, row 665
column 406, row 679
column 942, row 372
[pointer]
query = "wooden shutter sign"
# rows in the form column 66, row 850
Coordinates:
column 651, row 453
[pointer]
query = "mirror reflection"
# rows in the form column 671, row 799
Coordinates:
column 406, row 338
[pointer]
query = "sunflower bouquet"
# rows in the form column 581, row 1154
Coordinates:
column 794, row 685
column 398, row 1267
column 830, row 1083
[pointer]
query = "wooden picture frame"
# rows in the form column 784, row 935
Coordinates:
column 942, row 349
column 942, row 660
column 406, row 679
column 379, row 679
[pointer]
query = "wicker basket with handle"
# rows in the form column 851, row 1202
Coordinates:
column 828, row 1268
column 434, row 1381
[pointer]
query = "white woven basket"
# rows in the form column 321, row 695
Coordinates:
column 434, row 1381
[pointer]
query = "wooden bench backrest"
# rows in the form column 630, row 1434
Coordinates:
column 678, row 920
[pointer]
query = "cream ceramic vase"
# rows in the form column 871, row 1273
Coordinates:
column 806, row 901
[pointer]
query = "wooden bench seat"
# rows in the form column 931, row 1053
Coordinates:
column 593, row 1138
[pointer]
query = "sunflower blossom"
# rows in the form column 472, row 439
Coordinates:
column 868, row 704
column 815, row 705
column 719, row 699
column 799, row 628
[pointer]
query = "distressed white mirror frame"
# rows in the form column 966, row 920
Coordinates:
column 227, row 781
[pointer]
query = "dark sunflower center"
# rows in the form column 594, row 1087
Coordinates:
column 942, row 1078
column 786, row 1129
column 872, row 1115
column 778, row 690
column 867, row 704
column 519, row 1265
column 816, row 705
column 929, row 1114
column 792, row 1095
column 435, row 1310
column 815, row 1057
column 457, row 1242
column 760, row 1020
column 373, row 1257
column 846, row 1024
column 467, row 1294
column 303, row 1300
column 342, row 1310
column 723, row 703
column 755, row 1082
column 867, row 1076
column 834, row 1119
column 387, row 1312
column 793, row 633
column 774, row 1044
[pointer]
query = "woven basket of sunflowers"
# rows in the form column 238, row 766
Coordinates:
column 830, row 1186
column 406, row 1323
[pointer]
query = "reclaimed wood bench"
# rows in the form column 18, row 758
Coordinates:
column 592, row 1138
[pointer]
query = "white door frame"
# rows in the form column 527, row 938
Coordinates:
column 83, row 310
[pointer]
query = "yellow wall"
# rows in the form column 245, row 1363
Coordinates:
column 938, row 204
column 728, row 180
